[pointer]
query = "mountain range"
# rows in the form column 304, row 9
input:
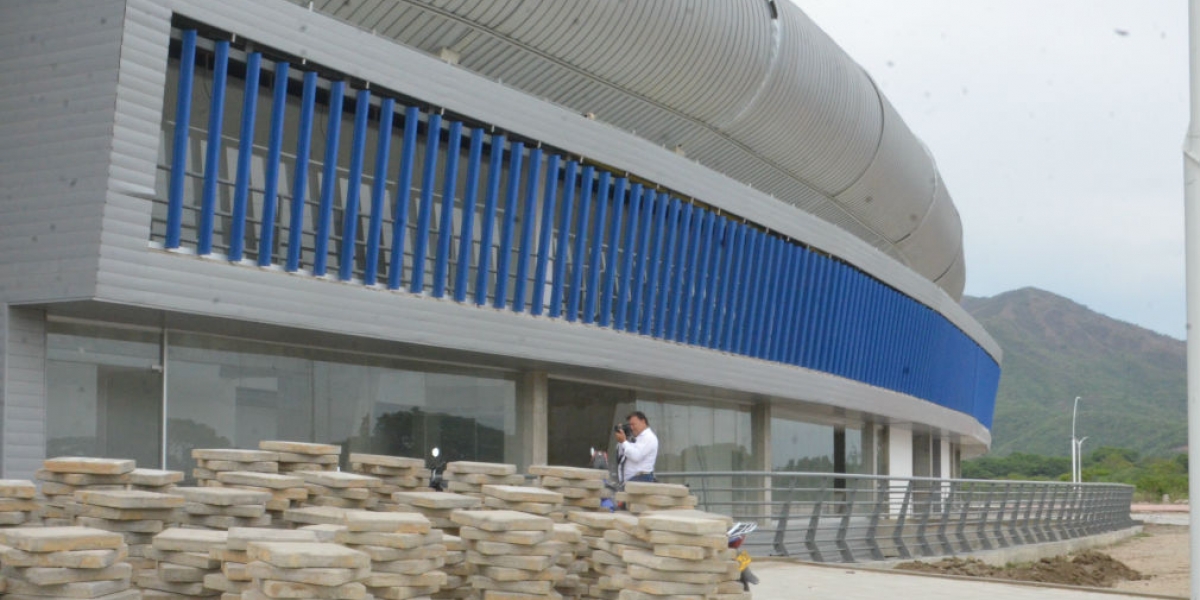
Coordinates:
column 1131, row 381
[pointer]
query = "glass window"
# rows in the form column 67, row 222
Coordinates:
column 103, row 393
column 699, row 435
column 800, row 446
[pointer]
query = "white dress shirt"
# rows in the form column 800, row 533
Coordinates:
column 639, row 455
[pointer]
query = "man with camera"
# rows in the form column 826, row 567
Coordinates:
column 638, row 448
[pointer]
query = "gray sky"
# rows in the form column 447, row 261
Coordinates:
column 1057, row 126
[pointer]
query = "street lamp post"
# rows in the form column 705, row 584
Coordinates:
column 1079, row 459
column 1074, row 445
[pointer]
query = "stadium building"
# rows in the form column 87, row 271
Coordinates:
column 492, row 227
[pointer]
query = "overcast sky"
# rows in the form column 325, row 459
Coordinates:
column 1057, row 126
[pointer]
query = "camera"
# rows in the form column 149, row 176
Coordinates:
column 625, row 428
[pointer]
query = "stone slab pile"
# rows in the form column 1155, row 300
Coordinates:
column 531, row 500
column 210, row 462
column 234, row 577
column 223, row 508
column 688, row 557
column 438, row 507
column 514, row 553
column 592, row 526
column 607, row 557
column 321, row 570
column 18, row 505
column 457, row 570
column 65, row 562
column 316, row 515
column 406, row 552
column 61, row 477
column 398, row 474
column 643, row 497
column 136, row 515
column 340, row 489
column 303, row 456
column 287, row 491
column 466, row 477
column 184, row 560
column 158, row 481
column 571, row 585
column 582, row 489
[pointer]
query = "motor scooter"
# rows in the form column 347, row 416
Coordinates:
column 737, row 534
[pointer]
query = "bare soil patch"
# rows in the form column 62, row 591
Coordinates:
column 1090, row 568
column 1160, row 553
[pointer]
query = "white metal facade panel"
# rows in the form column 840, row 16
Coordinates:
column 932, row 240
column 22, row 391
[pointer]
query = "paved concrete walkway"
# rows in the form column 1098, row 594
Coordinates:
column 793, row 581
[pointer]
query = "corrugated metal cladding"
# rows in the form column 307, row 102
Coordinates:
column 773, row 103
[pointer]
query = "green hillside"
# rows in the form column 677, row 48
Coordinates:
column 1132, row 381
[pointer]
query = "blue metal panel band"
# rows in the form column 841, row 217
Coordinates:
column 528, row 221
column 794, row 294
column 625, row 286
column 383, row 150
column 640, row 256
column 578, row 258
column 823, row 315
column 308, row 101
column 833, row 332
column 433, row 137
column 783, row 297
column 212, row 159
column 358, row 148
column 466, row 236
column 610, row 265
column 329, row 178
column 653, row 292
column 751, row 268
column 773, row 329
column 736, row 247
column 593, row 286
column 714, row 285
column 801, row 294
column 491, row 199
column 241, row 186
column 686, row 318
column 545, row 234
column 845, row 333
column 445, row 224
column 660, row 276
column 179, row 140
column 679, row 288
column 706, row 274
column 266, row 236
column 762, row 297
column 515, row 156
column 812, row 317
column 408, row 154
column 561, row 257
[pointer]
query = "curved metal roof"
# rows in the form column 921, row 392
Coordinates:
column 749, row 88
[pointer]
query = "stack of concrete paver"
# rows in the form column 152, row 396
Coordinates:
column 287, row 491
column 63, row 476
column 65, row 562
column 438, row 507
column 235, row 577
column 315, row 515
column 406, row 552
column 336, row 488
column 154, row 480
column 303, row 456
column 223, row 508
column 514, row 553
column 531, row 500
column 184, row 561
column 134, row 514
column 642, row 497
column 212, row 461
column 306, row 570
column 687, row 557
column 17, row 504
column 457, row 570
column 592, row 526
column 571, row 584
column 607, row 558
column 582, row 489
column 466, row 477
column 398, row 474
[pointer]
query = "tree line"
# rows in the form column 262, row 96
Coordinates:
column 1153, row 476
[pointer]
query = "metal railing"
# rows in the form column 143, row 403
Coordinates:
column 830, row 517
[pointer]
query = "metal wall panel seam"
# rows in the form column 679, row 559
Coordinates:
column 445, row 224
column 467, row 230
column 433, row 136
column 545, row 234
column 610, row 268
column 578, row 256
column 495, row 168
column 358, row 146
column 237, row 226
column 383, row 151
column 324, row 216
column 404, row 178
column 639, row 300
column 528, row 220
column 561, row 253
column 659, row 288
column 603, row 193
column 212, row 158
column 266, row 236
column 512, row 200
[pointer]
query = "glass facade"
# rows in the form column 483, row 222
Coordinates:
column 699, row 435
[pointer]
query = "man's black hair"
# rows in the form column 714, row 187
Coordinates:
column 639, row 414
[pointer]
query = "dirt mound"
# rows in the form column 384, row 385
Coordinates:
column 1092, row 569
